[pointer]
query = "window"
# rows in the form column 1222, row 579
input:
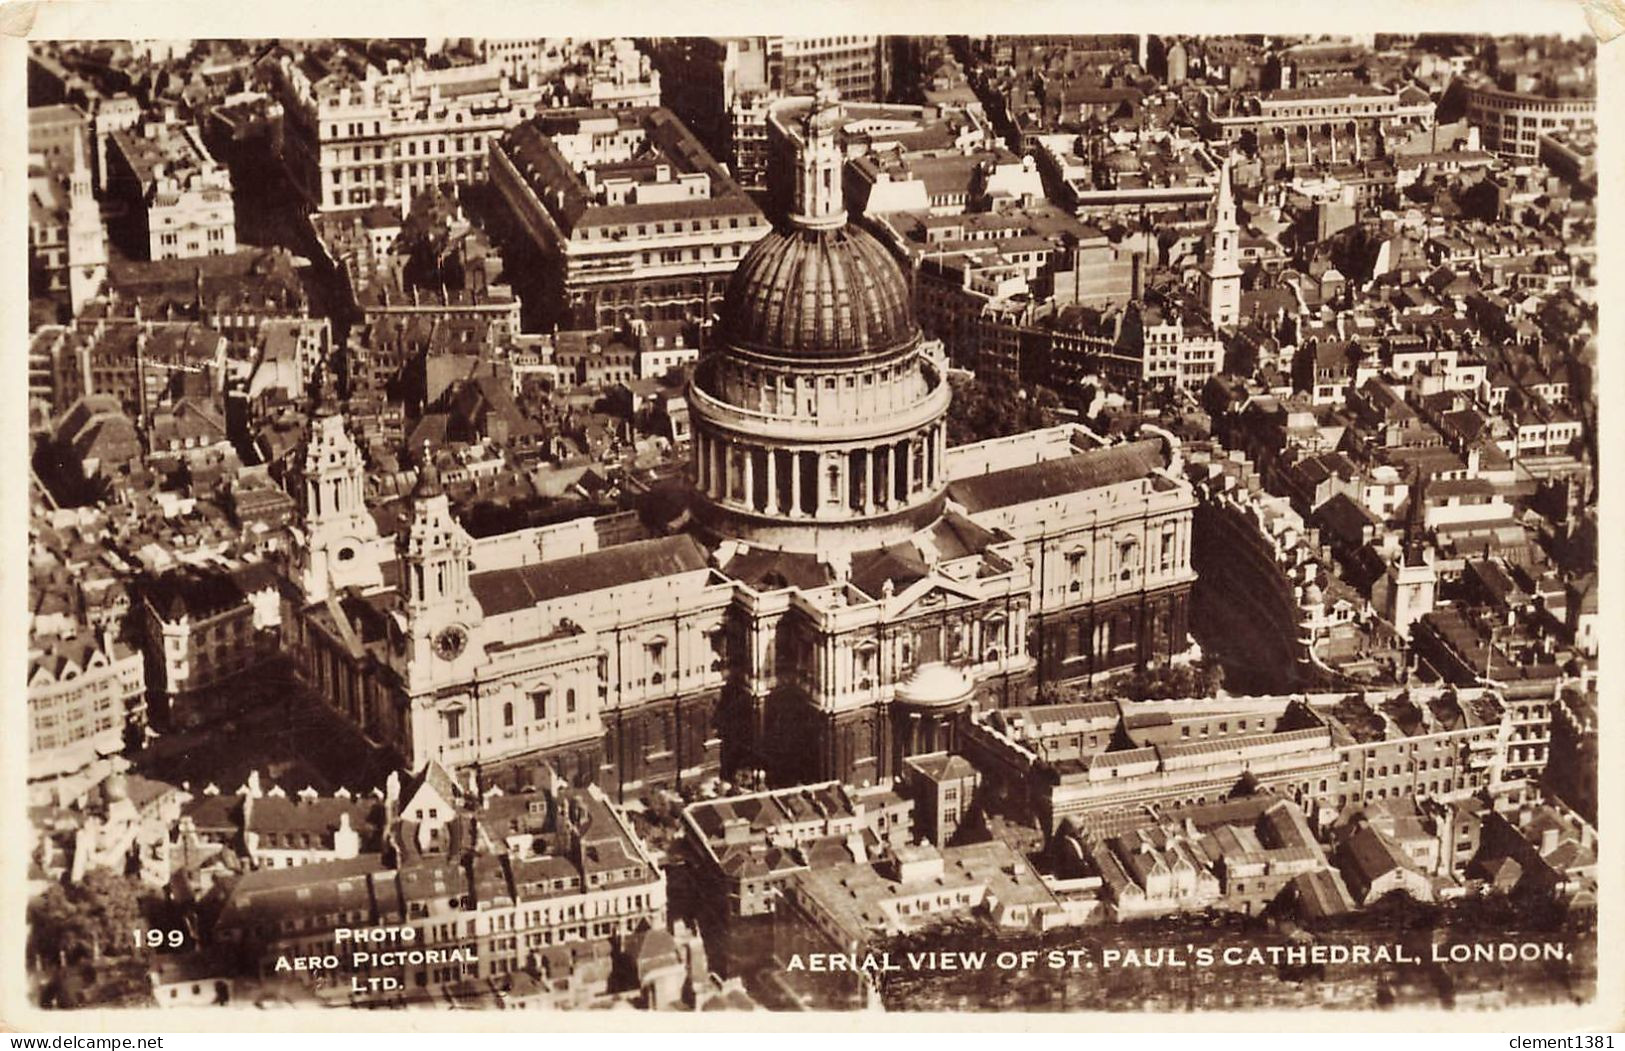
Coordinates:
column 507, row 714
column 1127, row 557
column 454, row 725
column 569, row 702
column 657, row 661
column 538, row 701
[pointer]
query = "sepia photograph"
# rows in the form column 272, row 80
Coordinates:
column 861, row 524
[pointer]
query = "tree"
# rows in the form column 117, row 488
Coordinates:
column 91, row 918
column 993, row 407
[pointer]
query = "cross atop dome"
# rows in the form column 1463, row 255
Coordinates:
column 824, row 95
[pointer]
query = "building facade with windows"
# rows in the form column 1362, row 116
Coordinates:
column 629, row 213
column 1098, row 769
column 1512, row 123
column 546, row 881
column 358, row 135
column 84, row 690
column 177, row 196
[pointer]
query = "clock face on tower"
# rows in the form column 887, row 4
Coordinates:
column 450, row 642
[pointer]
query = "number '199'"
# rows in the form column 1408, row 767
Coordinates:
column 153, row 938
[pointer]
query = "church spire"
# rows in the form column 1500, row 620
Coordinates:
column 1223, row 274
column 1224, row 208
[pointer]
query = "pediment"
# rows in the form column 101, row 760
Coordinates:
column 932, row 593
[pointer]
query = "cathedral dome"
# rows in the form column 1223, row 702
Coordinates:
column 818, row 293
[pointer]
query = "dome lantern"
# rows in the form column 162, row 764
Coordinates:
column 819, row 201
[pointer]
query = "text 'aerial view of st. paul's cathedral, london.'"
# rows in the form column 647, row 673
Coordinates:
column 721, row 523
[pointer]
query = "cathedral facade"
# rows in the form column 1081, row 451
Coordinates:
column 846, row 587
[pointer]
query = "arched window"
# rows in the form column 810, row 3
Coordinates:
column 507, row 714
column 569, row 702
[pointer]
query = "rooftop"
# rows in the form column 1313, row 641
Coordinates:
column 505, row 590
column 1093, row 469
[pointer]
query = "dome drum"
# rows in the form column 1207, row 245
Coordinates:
column 796, row 409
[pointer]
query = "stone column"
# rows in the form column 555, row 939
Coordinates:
column 795, row 508
column 748, row 455
column 772, row 502
column 869, row 481
column 877, row 477
column 853, row 475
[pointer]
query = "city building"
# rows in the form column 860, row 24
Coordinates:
column 723, row 87
column 204, row 627
column 1295, row 126
column 631, row 216
column 747, row 848
column 1100, row 768
column 1095, row 179
column 1243, row 855
column 58, row 133
column 846, row 908
column 1265, row 578
column 499, row 891
column 176, row 197
column 358, row 135
column 1156, row 342
column 85, row 692
column 943, row 787
column 1512, row 123
column 1221, row 279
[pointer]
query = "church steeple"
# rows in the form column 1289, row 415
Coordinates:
column 1223, row 274
column 87, row 245
column 435, row 549
column 819, row 201
column 333, row 474
column 339, row 531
